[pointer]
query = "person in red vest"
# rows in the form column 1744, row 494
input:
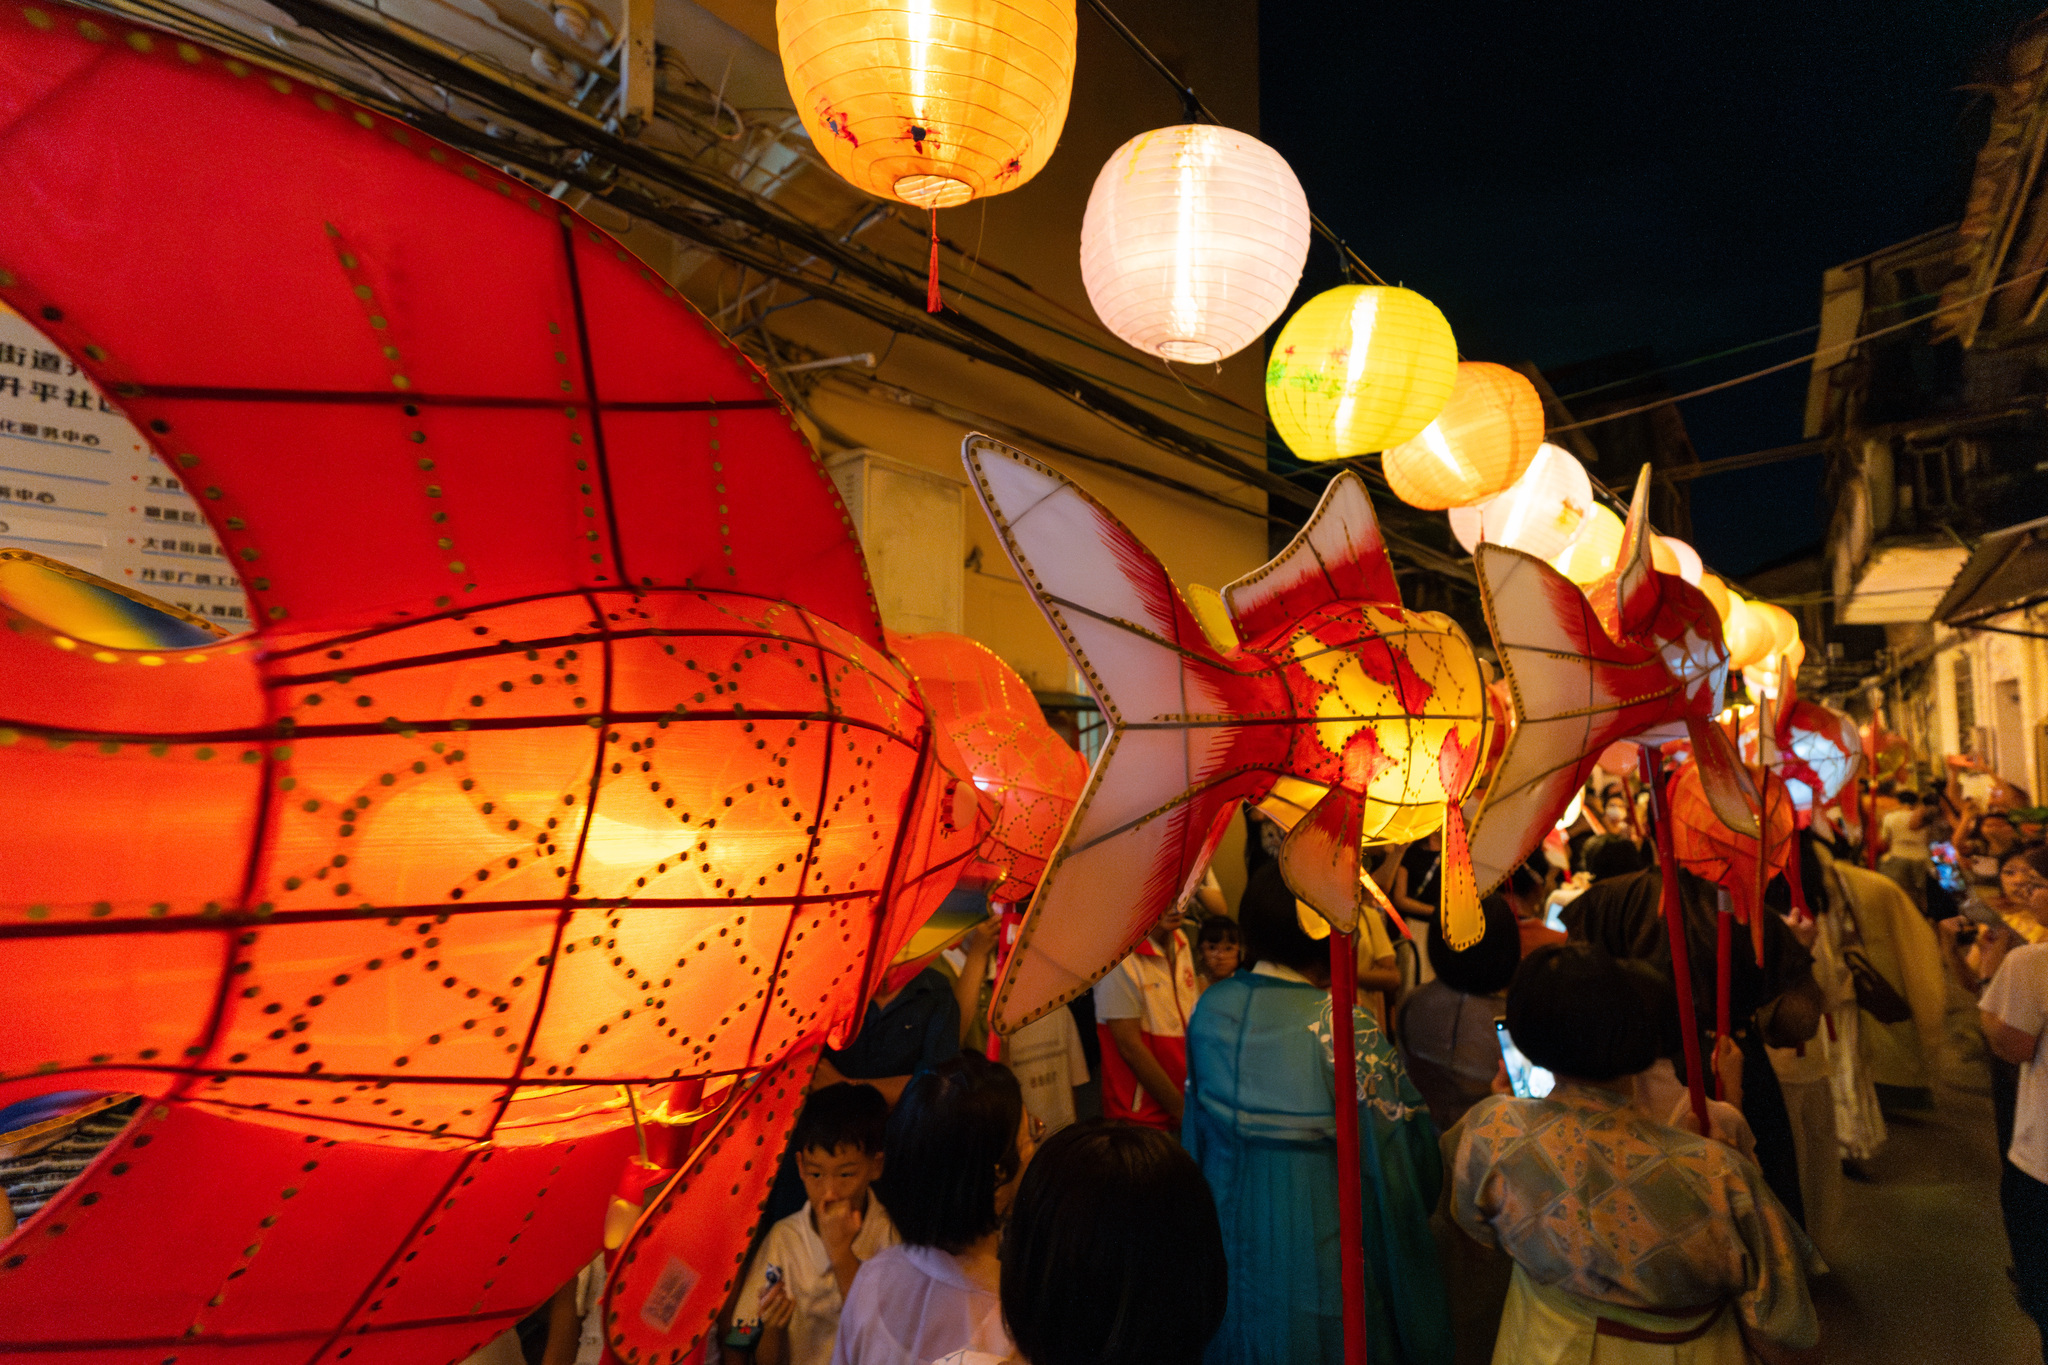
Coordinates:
column 1141, row 1010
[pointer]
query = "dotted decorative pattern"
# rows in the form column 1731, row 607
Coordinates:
column 677, row 1268
column 1014, row 757
column 567, row 757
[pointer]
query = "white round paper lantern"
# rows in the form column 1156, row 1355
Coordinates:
column 1541, row 514
column 1193, row 241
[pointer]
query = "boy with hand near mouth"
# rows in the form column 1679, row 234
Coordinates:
column 800, row 1276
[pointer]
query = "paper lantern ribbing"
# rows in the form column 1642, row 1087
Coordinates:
column 568, row 756
column 1478, row 446
column 1596, row 549
column 930, row 102
column 1387, row 717
column 1014, row 757
column 1193, row 241
column 1359, row 368
column 1540, row 515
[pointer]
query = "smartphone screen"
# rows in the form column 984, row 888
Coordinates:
column 1529, row 1080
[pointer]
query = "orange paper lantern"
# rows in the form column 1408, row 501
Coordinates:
column 567, row 774
column 930, row 102
column 1479, row 445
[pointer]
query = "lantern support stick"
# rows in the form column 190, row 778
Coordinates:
column 1724, row 935
column 1674, row 925
column 1350, row 1197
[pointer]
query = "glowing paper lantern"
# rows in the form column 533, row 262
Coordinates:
column 1685, row 560
column 1540, row 515
column 1596, row 549
column 1193, row 241
column 91, row 610
column 930, row 102
column 568, row 756
column 1359, row 368
column 1717, row 593
column 1014, row 757
column 1336, row 695
column 1748, row 632
column 1478, row 446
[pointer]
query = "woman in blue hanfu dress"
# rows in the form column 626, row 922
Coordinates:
column 1261, row 1119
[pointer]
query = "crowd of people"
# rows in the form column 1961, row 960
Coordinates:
column 1150, row 1175
column 959, row 1212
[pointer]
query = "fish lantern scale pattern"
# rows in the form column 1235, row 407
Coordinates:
column 568, row 755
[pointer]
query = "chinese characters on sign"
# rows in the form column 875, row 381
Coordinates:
column 79, row 484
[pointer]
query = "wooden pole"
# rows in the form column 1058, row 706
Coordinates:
column 1674, row 925
column 1350, row 1198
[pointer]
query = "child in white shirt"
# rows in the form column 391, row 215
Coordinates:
column 799, row 1278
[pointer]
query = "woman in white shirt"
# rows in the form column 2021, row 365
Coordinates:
column 958, row 1142
column 1113, row 1254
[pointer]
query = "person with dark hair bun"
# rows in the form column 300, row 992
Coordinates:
column 1447, row 1034
column 1632, row 1241
column 957, row 1144
column 1112, row 1255
column 1261, row 1119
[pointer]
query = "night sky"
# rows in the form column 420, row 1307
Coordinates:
column 1568, row 181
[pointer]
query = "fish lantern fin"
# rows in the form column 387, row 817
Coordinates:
column 1723, row 776
column 1214, row 617
column 1464, row 923
column 1627, row 596
column 1319, row 858
column 1174, row 765
column 1338, row 556
column 1574, row 691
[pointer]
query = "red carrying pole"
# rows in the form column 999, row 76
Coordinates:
column 1350, row 1198
column 1674, row 925
column 1723, row 937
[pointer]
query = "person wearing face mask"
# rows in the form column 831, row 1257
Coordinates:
column 957, row 1144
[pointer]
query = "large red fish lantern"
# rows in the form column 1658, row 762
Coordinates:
column 1017, row 761
column 568, row 759
column 1334, row 687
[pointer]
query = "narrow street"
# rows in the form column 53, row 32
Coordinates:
column 1920, row 1260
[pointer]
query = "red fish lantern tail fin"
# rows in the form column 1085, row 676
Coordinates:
column 1626, row 598
column 1338, row 556
column 1730, row 789
column 1173, row 767
column 1575, row 690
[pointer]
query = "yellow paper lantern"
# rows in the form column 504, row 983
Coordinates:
column 1684, row 560
column 930, row 102
column 1478, row 446
column 1783, row 624
column 1359, row 368
column 1717, row 593
column 1541, row 515
column 1595, row 551
column 1193, row 241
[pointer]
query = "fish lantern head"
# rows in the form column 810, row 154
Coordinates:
column 1707, row 848
column 1025, row 776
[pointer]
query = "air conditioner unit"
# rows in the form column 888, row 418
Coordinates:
column 912, row 524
